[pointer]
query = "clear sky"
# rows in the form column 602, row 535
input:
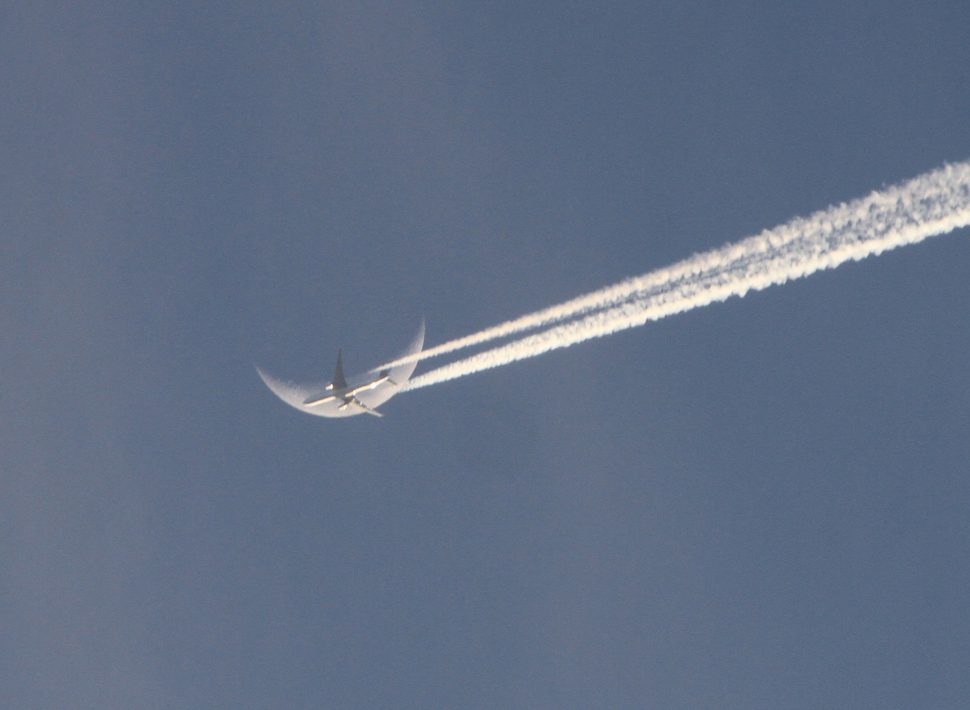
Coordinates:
column 761, row 504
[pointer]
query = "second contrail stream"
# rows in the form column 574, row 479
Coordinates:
column 932, row 204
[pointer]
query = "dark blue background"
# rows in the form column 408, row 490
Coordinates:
column 759, row 504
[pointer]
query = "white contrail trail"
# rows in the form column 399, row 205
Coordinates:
column 697, row 266
column 635, row 287
column 932, row 204
column 609, row 296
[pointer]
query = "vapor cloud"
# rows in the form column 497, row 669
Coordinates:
column 930, row 205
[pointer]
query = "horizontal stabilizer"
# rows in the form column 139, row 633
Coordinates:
column 357, row 403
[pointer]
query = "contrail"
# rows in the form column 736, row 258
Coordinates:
column 657, row 281
column 696, row 266
column 932, row 204
column 596, row 300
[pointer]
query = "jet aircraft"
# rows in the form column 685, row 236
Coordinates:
column 340, row 394
column 340, row 398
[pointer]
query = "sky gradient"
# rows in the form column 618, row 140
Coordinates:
column 761, row 503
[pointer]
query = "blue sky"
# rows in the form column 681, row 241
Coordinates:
column 759, row 504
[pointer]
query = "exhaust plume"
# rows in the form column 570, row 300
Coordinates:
column 930, row 205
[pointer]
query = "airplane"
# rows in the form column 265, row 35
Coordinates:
column 338, row 390
column 341, row 399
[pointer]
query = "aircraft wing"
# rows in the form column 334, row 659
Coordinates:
column 351, row 392
column 373, row 384
column 314, row 401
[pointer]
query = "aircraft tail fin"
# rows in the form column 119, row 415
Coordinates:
column 339, row 381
